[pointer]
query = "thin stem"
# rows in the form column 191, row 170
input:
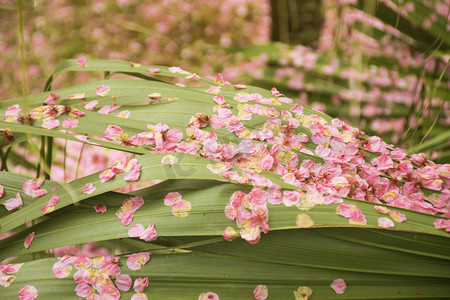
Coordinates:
column 79, row 160
column 64, row 158
column 41, row 155
column 4, row 167
column 48, row 159
column 22, row 50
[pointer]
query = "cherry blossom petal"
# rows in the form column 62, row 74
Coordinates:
column 103, row 90
column 208, row 296
column 442, row 223
column 352, row 213
column 91, row 105
column 140, row 284
column 100, row 208
column 106, row 175
column 28, row 292
column 382, row 209
column 28, row 240
column 39, row 193
column 385, row 222
column 11, row 268
column 76, row 113
column 136, row 260
column 6, row 280
column 149, row 234
column 297, row 108
column 83, row 290
column 397, row 216
column 154, row 70
column 229, row 233
column 125, row 217
column 193, row 76
column 50, row 205
column 132, row 203
column 251, row 234
column 261, row 292
column 123, row 282
column 125, row 114
column 303, row 293
column 30, row 186
column 339, row 286
column 81, row 62
column 181, row 209
column 70, row 123
column 276, row 93
column 82, row 138
column 50, row 123
column 136, row 230
column 89, row 188
column 134, row 174
column 139, row 296
column 107, row 109
column 62, row 269
column 304, row 221
column 172, row 198
column 134, row 64
column 79, row 96
column 14, row 203
column 2, row 190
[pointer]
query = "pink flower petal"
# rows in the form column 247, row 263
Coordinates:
column 82, row 138
column 208, row 296
column 39, row 193
column 123, row 282
column 28, row 292
column 83, row 290
column 339, row 286
column 229, row 233
column 62, row 269
column 89, row 188
column 136, row 230
column 103, row 90
column 78, row 96
column 100, row 208
column 50, row 206
column 385, row 222
column 134, row 174
column 181, row 209
column 91, row 105
column 70, row 123
column 6, row 280
column 260, row 292
column 154, row 70
column 136, row 260
column 172, row 198
column 106, row 175
column 140, row 284
column 11, row 268
column 14, row 203
column 30, row 186
column 81, row 62
column 139, row 296
column 29, row 239
column 149, row 234
column 125, row 217
column 304, row 221
column 2, row 190
column 51, row 99
column 50, row 123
